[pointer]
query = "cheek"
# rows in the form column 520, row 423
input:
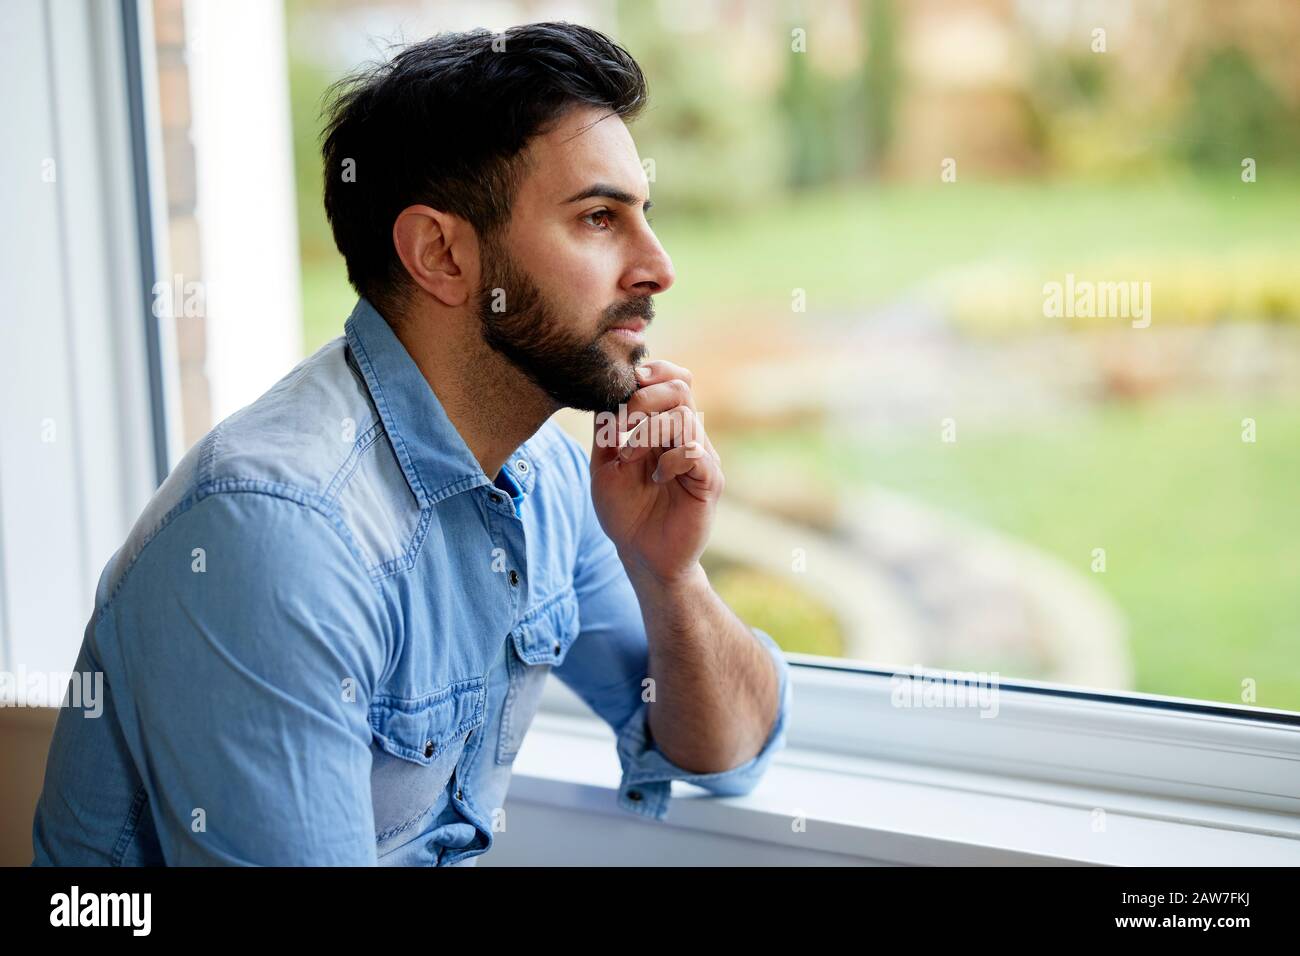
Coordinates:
column 587, row 264
column 570, row 253
column 580, row 277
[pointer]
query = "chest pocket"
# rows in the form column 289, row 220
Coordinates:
column 540, row 641
column 416, row 744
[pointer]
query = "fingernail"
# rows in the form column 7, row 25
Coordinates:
column 643, row 371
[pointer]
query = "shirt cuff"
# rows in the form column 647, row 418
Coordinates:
column 646, row 786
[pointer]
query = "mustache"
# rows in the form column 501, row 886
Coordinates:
column 642, row 307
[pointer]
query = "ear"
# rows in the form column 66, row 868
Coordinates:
column 439, row 251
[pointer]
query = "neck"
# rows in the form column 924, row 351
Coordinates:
column 492, row 405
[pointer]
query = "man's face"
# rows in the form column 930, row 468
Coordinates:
column 566, row 287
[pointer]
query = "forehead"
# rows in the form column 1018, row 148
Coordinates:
column 586, row 146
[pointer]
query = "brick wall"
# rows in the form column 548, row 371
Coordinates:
column 183, row 237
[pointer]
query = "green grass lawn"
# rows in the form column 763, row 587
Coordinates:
column 856, row 248
column 1201, row 530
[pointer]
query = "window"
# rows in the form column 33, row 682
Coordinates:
column 991, row 315
column 81, row 446
column 993, row 319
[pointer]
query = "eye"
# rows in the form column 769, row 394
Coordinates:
column 606, row 214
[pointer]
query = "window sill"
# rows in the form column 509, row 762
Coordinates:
column 858, row 809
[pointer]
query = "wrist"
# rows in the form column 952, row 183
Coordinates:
column 684, row 583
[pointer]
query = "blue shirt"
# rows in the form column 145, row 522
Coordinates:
column 326, row 636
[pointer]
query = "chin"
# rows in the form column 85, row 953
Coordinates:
column 622, row 366
column 624, row 353
column 622, row 386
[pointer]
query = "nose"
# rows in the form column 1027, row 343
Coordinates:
column 653, row 272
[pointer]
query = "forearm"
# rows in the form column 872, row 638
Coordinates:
column 715, row 686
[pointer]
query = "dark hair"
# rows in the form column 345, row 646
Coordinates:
column 444, row 123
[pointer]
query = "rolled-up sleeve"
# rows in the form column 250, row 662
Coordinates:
column 648, row 775
column 607, row 667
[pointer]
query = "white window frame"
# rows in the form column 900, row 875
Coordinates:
column 84, row 352
column 1059, row 775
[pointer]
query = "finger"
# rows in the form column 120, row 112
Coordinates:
column 660, row 397
column 691, row 463
column 708, row 446
column 653, row 371
column 668, row 394
column 669, row 429
column 661, row 430
column 703, row 438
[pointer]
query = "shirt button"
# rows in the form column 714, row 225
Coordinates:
column 557, row 649
column 458, row 794
column 521, row 466
column 634, row 795
column 428, row 748
column 496, row 498
column 514, row 578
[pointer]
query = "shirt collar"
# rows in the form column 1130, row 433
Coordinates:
column 511, row 485
column 433, row 456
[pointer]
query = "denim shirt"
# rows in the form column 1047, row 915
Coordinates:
column 326, row 636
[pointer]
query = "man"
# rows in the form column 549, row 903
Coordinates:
column 326, row 637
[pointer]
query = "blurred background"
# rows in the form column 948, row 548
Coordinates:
column 867, row 203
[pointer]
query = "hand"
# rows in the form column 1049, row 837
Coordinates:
column 655, row 497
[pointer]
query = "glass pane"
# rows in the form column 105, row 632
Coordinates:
column 992, row 312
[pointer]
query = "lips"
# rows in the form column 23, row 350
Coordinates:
column 632, row 325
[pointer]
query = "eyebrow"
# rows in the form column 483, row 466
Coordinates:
column 609, row 192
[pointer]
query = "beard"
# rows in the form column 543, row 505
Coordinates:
column 574, row 370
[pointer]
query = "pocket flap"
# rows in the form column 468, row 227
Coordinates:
column 421, row 728
column 547, row 631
